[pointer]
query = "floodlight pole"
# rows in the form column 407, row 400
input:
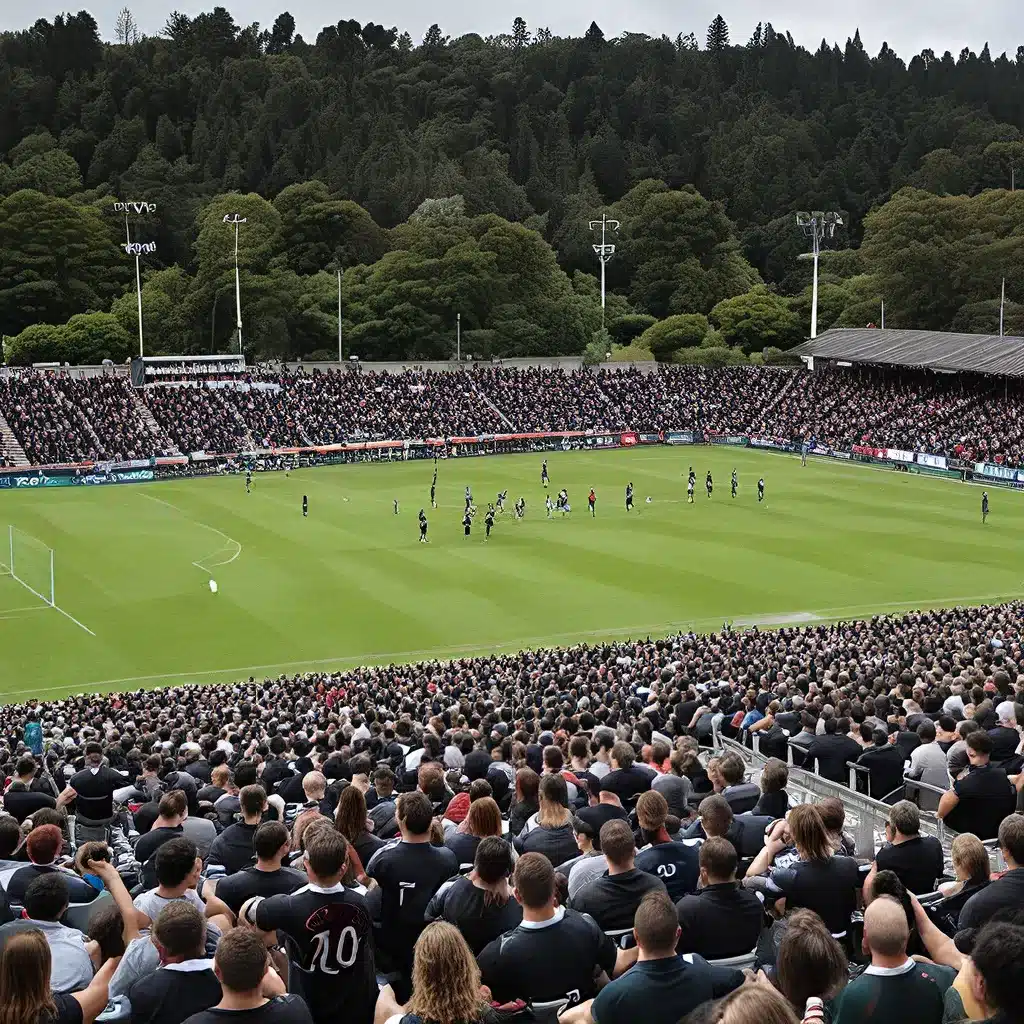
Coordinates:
column 236, row 220
column 339, row 315
column 604, row 252
column 458, row 337
column 136, row 249
column 817, row 225
column 1002, row 303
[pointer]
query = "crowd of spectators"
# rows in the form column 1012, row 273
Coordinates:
column 60, row 419
column 526, row 834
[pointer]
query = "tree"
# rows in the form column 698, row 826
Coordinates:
column 718, row 35
column 56, row 259
column 126, row 30
column 520, row 34
column 685, row 330
column 756, row 319
column 434, row 40
column 282, row 34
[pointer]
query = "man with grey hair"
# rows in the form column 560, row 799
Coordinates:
column 1005, row 736
column 915, row 859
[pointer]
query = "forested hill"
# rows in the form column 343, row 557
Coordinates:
column 535, row 129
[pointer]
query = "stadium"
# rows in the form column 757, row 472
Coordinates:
column 550, row 647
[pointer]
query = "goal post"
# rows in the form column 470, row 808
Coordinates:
column 31, row 563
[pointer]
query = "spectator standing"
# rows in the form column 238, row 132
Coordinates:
column 94, row 788
column 409, row 871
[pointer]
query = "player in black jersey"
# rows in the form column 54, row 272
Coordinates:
column 467, row 521
column 709, row 483
column 488, row 521
column 423, row 527
column 409, row 871
column 248, row 481
column 520, row 508
column 629, row 496
column 735, row 483
column 396, row 506
column 984, row 506
column 305, row 506
column 555, row 954
column 502, row 497
column 692, row 476
column 544, row 473
column 329, row 929
column 760, row 489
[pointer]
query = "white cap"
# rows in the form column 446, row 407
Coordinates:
column 1005, row 713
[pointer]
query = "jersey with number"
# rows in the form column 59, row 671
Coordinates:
column 329, row 948
column 408, row 875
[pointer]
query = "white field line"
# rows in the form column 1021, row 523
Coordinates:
column 614, row 633
column 228, row 541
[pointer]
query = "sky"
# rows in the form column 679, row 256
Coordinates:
column 908, row 26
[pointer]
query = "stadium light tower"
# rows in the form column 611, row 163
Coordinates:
column 818, row 226
column 136, row 249
column 236, row 220
column 605, row 251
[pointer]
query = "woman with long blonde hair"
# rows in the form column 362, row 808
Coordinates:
column 445, row 981
column 25, row 996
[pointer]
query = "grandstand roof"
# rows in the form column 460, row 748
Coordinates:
column 976, row 353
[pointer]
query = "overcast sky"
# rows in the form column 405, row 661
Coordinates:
column 909, row 26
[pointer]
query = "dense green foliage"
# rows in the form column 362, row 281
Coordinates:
column 352, row 584
column 426, row 170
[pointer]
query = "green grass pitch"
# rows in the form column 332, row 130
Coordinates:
column 352, row 585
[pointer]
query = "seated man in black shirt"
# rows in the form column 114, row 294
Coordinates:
column 663, row 987
column 185, row 983
column 20, row 799
column 831, row 752
column 612, row 899
column 980, row 800
column 233, row 848
column 555, row 955
column 885, row 765
column 272, row 844
column 722, row 919
column 915, row 859
column 329, row 930
column 625, row 779
column 245, row 975
column 171, row 812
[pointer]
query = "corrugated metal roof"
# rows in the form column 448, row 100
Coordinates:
column 976, row 353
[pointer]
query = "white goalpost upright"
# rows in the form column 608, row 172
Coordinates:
column 32, row 563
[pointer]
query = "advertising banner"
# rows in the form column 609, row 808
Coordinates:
column 898, row 455
column 650, row 438
column 118, row 476
column 737, row 440
column 683, row 437
column 41, row 480
column 863, row 449
column 994, row 471
column 628, row 439
column 933, row 461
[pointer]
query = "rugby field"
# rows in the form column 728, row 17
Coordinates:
column 351, row 584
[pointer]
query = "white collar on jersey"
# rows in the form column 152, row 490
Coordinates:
column 554, row 919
